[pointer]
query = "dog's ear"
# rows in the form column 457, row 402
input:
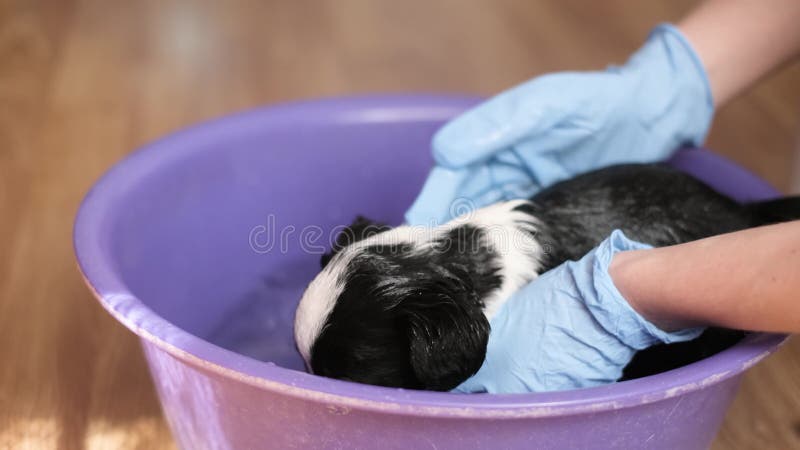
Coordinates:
column 361, row 228
column 447, row 331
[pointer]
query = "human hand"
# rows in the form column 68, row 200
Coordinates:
column 568, row 329
column 559, row 125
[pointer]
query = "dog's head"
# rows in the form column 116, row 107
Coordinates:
column 409, row 307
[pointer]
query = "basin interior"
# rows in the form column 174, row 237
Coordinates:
column 222, row 237
column 220, row 228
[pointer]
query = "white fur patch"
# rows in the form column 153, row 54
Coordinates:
column 511, row 235
column 316, row 304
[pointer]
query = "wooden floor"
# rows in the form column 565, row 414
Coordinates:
column 82, row 83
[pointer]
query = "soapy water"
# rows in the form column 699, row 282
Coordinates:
column 260, row 326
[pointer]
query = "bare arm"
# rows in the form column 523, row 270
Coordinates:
column 749, row 279
column 740, row 41
column 746, row 280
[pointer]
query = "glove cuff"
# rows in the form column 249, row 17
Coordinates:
column 679, row 101
column 668, row 29
column 614, row 313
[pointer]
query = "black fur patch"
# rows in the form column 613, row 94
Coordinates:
column 650, row 203
column 361, row 228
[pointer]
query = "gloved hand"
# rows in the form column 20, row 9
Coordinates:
column 559, row 125
column 570, row 328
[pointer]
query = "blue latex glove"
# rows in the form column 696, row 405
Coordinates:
column 559, row 125
column 570, row 328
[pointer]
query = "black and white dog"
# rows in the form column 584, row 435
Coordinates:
column 410, row 307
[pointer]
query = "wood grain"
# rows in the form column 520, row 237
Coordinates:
column 84, row 82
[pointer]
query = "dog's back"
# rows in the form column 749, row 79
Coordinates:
column 650, row 203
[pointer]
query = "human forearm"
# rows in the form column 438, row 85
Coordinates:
column 745, row 280
column 740, row 41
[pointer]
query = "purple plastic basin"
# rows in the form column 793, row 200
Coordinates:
column 201, row 243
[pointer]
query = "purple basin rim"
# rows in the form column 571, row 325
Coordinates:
column 97, row 267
